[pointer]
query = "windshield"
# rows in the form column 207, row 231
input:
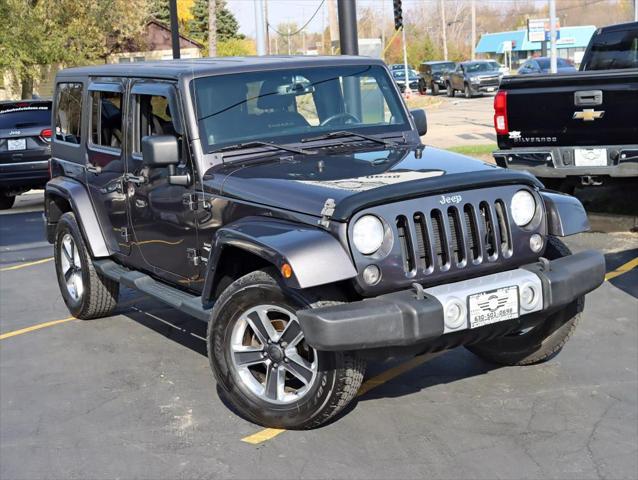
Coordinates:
column 401, row 74
column 295, row 103
column 481, row 67
column 443, row 67
column 24, row 115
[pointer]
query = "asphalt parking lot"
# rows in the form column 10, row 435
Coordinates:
column 132, row 395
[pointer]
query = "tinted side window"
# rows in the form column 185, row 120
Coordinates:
column 153, row 117
column 68, row 116
column 106, row 119
column 614, row 49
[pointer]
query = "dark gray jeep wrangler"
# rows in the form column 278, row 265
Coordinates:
column 289, row 203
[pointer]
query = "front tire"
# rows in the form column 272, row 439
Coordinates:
column 467, row 91
column 435, row 89
column 87, row 294
column 262, row 363
column 543, row 341
column 422, row 88
column 449, row 91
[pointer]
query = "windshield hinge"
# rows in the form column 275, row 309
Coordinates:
column 192, row 201
column 327, row 212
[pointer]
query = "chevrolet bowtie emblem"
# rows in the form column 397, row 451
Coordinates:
column 588, row 115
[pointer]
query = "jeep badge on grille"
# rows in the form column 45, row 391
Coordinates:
column 451, row 199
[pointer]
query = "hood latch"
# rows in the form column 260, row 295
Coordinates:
column 326, row 212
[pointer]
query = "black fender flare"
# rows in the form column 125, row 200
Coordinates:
column 77, row 196
column 315, row 255
column 565, row 214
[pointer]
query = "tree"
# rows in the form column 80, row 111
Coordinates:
column 71, row 32
column 227, row 25
column 159, row 10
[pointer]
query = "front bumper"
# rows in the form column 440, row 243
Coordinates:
column 407, row 318
column 558, row 162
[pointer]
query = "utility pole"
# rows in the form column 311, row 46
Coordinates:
column 443, row 28
column 334, row 25
column 266, row 25
column 473, row 29
column 552, row 37
column 172, row 5
column 259, row 28
column 635, row 10
column 212, row 28
column 289, row 40
column 348, row 36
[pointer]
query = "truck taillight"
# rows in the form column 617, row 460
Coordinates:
column 500, row 113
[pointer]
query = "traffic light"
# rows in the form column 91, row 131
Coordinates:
column 398, row 15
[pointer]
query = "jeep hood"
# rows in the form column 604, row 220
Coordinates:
column 354, row 180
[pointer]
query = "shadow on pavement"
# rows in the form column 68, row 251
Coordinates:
column 627, row 282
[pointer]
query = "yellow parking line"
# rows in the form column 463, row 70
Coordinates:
column 34, row 327
column 263, row 435
column 28, row 264
column 384, row 377
column 622, row 269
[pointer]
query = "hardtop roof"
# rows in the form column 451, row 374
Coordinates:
column 199, row 67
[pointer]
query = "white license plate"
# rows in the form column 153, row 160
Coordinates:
column 17, row 144
column 493, row 306
column 590, row 157
column 491, row 89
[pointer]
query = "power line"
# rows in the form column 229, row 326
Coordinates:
column 304, row 25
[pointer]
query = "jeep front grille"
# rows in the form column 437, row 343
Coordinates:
column 456, row 235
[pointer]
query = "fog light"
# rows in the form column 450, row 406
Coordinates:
column 371, row 274
column 529, row 296
column 454, row 314
column 536, row 243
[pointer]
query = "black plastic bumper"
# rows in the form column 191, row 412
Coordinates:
column 401, row 319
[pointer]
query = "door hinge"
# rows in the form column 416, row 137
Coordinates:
column 192, row 201
column 194, row 257
column 327, row 212
column 124, row 234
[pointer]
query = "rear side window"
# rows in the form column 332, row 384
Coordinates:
column 25, row 114
column 613, row 49
column 106, row 119
column 68, row 118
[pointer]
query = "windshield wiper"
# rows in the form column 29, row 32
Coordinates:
column 258, row 143
column 346, row 133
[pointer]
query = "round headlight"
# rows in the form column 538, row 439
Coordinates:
column 367, row 234
column 523, row 207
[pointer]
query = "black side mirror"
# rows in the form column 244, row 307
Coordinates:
column 420, row 121
column 160, row 151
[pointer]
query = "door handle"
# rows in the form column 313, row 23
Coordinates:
column 588, row 98
column 93, row 169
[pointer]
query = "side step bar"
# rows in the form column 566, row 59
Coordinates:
column 182, row 301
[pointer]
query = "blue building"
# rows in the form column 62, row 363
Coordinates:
column 570, row 45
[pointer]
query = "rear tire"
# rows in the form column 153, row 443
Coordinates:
column 542, row 342
column 6, row 201
column 249, row 349
column 87, row 294
column 449, row 90
column 435, row 89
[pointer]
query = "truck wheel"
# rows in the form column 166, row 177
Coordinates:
column 467, row 91
column 86, row 293
column 262, row 363
column 435, row 89
column 6, row 201
column 449, row 90
column 422, row 88
column 541, row 342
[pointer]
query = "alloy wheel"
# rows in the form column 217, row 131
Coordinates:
column 270, row 355
column 71, row 265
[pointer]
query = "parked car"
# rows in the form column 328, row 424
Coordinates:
column 433, row 76
column 399, row 78
column 542, row 65
column 398, row 66
column 25, row 136
column 473, row 78
column 290, row 204
column 578, row 128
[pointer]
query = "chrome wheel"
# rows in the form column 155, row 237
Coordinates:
column 270, row 355
column 71, row 265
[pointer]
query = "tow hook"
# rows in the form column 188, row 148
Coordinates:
column 589, row 180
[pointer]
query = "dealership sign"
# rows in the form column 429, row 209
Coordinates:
column 538, row 29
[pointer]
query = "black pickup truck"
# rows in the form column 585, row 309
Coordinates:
column 579, row 128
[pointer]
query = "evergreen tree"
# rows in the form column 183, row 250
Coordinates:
column 227, row 25
column 160, row 11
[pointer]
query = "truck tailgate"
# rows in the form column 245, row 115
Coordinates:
column 549, row 110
